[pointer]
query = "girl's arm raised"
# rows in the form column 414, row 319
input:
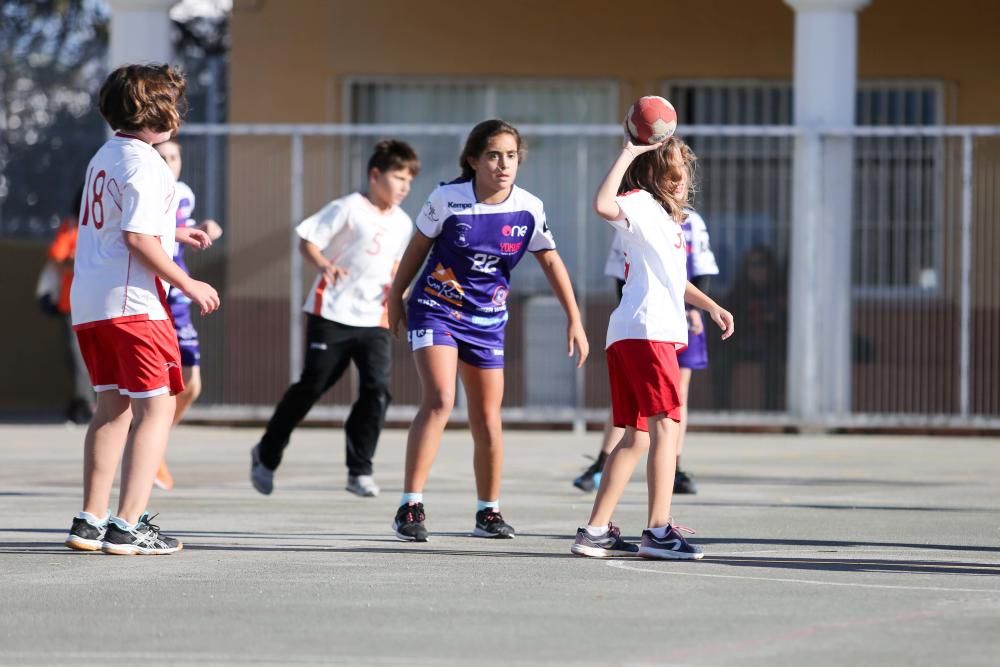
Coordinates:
column 413, row 258
column 555, row 272
column 720, row 315
column 605, row 201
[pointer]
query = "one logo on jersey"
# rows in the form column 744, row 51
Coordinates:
column 460, row 205
column 500, row 296
column 442, row 283
column 430, row 212
column 461, row 229
column 514, row 230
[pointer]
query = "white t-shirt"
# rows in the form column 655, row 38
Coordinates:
column 652, row 305
column 614, row 266
column 368, row 244
column 129, row 188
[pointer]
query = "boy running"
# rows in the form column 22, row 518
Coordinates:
column 355, row 243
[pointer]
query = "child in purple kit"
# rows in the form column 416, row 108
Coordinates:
column 476, row 229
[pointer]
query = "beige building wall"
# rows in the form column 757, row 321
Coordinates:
column 290, row 57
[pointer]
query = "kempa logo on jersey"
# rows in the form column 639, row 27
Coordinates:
column 460, row 205
column 514, row 230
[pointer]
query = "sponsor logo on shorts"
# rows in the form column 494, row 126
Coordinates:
column 317, row 346
column 497, row 353
column 420, row 338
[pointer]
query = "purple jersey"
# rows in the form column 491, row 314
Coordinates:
column 463, row 287
column 180, row 304
column 700, row 262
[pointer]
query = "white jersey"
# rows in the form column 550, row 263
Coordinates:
column 129, row 188
column 652, row 305
column 701, row 259
column 367, row 243
column 614, row 266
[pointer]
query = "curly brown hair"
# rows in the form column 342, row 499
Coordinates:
column 138, row 97
column 660, row 172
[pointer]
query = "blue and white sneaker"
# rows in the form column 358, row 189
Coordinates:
column 142, row 539
column 590, row 479
column 672, row 546
column 85, row 534
column 603, row 546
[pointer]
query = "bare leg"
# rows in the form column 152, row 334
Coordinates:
column 660, row 468
column 618, row 470
column 102, row 450
column 146, row 444
column 484, row 390
column 685, row 385
column 192, row 390
column 612, row 435
column 436, row 366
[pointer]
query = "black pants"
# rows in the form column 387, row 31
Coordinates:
column 330, row 348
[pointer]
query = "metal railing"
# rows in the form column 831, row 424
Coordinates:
column 924, row 297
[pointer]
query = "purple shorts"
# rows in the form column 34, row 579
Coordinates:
column 695, row 355
column 474, row 355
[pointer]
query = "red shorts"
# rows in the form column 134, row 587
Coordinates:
column 645, row 381
column 139, row 359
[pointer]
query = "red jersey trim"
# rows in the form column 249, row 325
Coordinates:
column 114, row 320
column 318, row 297
column 630, row 192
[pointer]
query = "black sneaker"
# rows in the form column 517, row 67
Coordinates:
column 489, row 523
column 683, row 483
column 143, row 539
column 591, row 477
column 603, row 546
column 85, row 536
column 673, row 546
column 409, row 523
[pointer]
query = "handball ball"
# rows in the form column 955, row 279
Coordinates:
column 651, row 120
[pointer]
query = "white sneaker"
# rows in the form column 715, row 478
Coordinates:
column 261, row 476
column 362, row 485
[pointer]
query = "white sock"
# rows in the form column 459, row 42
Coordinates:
column 660, row 531
column 487, row 504
column 411, row 498
column 595, row 531
column 93, row 520
column 122, row 523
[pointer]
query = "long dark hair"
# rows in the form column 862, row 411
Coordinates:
column 658, row 173
column 479, row 138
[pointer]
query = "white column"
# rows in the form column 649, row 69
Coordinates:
column 140, row 32
column 819, row 316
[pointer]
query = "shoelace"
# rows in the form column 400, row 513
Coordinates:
column 614, row 531
column 415, row 513
column 682, row 529
column 493, row 517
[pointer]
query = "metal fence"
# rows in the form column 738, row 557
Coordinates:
column 924, row 304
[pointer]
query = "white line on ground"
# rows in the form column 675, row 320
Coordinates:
column 625, row 566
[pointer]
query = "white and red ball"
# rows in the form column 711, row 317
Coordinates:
column 651, row 120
